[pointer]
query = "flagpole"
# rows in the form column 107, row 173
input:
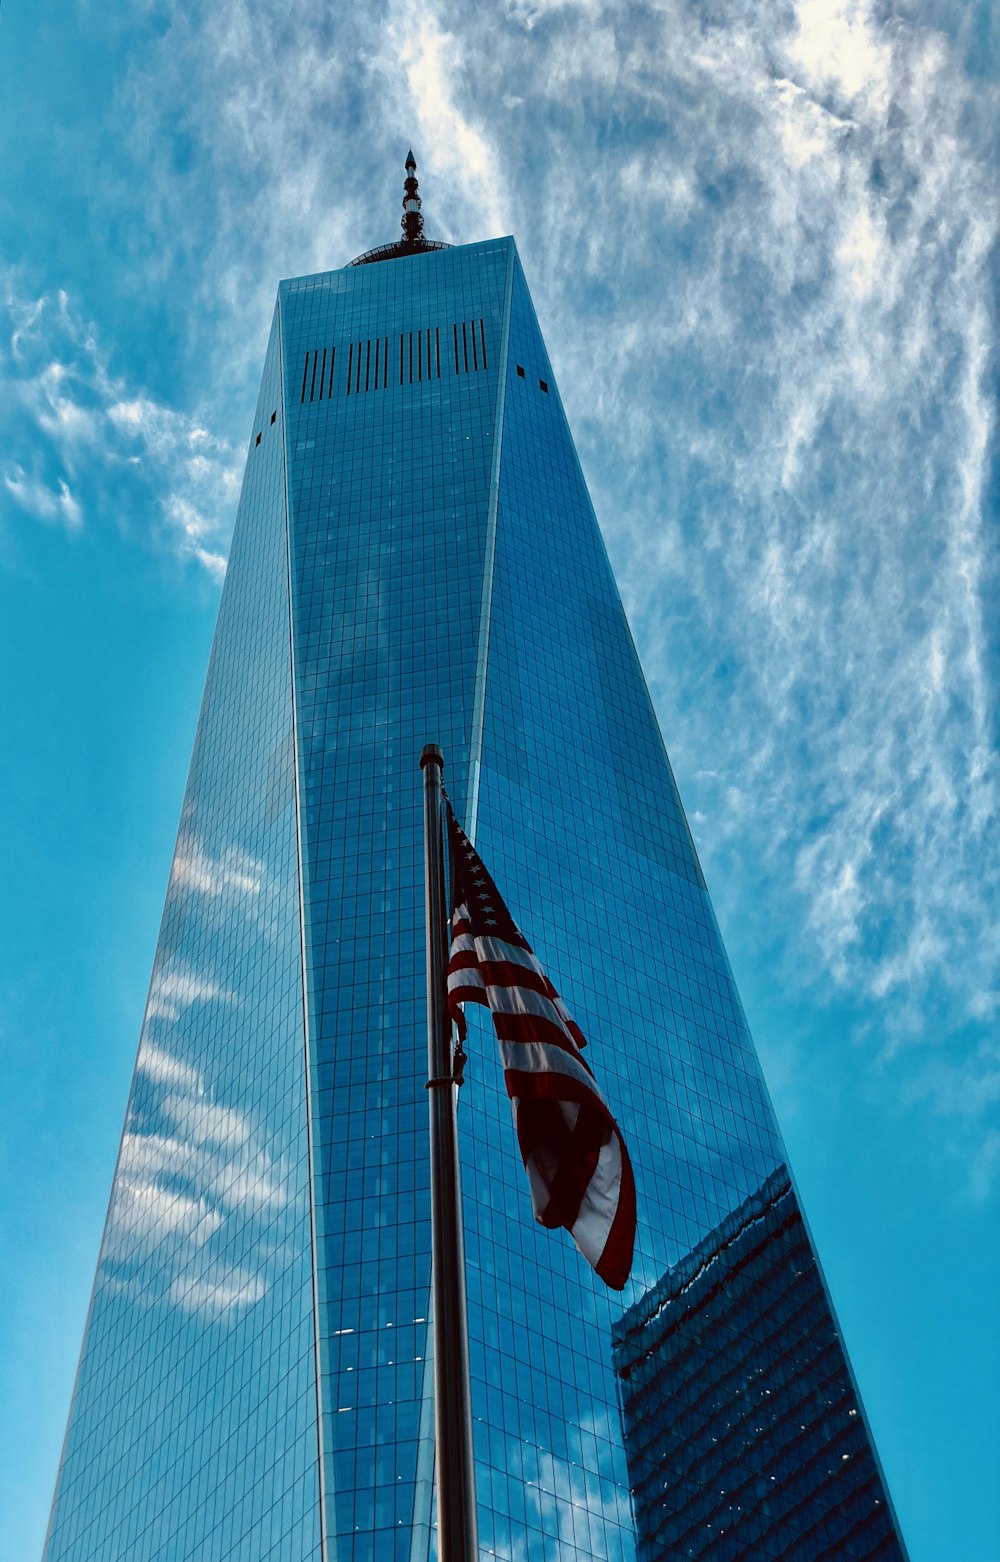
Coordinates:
column 455, row 1473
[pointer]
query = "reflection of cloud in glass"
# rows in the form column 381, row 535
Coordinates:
column 220, row 1296
column 234, row 871
column 561, row 1496
column 175, row 988
column 231, row 882
column 198, row 1202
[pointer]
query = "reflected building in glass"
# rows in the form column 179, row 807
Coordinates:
column 415, row 560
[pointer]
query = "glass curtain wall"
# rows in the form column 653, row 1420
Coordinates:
column 416, row 560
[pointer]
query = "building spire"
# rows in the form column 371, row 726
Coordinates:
column 412, row 241
column 412, row 222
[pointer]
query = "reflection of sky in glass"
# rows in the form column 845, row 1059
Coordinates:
column 451, row 585
column 193, row 1428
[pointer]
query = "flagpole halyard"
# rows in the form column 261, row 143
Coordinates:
column 455, row 1473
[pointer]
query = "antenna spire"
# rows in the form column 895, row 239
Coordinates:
column 412, row 241
column 412, row 222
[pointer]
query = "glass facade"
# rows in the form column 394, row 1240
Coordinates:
column 416, row 560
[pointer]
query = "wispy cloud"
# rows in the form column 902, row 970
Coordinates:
column 40, row 501
column 760, row 244
column 83, row 445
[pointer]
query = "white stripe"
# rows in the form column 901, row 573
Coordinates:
column 522, row 1000
column 468, row 976
column 599, row 1205
column 497, row 949
column 537, row 1057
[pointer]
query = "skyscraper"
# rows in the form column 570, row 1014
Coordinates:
column 416, row 560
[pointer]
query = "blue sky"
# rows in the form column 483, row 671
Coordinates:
column 762, row 240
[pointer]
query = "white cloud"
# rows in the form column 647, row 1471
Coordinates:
column 40, row 501
column 201, row 1123
column 234, row 883
column 78, row 420
column 759, row 241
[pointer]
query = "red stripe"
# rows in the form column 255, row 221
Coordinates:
column 507, row 973
column 463, row 960
column 458, row 995
column 576, row 1033
column 522, row 1085
column 534, row 1027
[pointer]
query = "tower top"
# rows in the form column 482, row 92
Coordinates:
column 411, row 222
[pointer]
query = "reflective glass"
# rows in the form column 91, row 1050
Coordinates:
column 445, row 581
column 192, row 1433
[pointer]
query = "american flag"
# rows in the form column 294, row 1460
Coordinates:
column 572, row 1149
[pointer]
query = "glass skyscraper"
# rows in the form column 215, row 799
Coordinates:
column 416, row 560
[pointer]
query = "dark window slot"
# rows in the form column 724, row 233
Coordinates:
column 420, row 355
column 305, row 376
column 455, row 334
column 520, row 371
column 544, row 385
column 437, row 349
column 257, row 440
column 409, row 340
column 357, row 373
column 465, row 346
column 400, row 357
column 378, row 360
column 322, row 375
column 385, row 362
column 312, row 386
column 274, row 417
column 482, row 339
column 368, row 361
column 350, row 366
column 475, row 355
column 333, row 359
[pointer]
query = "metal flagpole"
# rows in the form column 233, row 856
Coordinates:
column 455, row 1474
